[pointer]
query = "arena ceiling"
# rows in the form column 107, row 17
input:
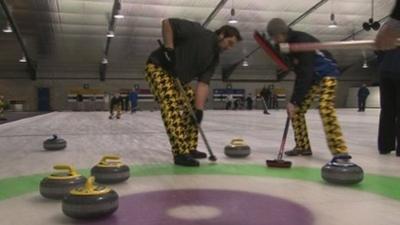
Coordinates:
column 68, row 37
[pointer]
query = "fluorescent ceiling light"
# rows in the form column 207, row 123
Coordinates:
column 233, row 21
column 119, row 16
column 8, row 29
column 23, row 59
column 245, row 63
column 110, row 34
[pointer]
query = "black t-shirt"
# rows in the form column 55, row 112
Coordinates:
column 304, row 69
column 196, row 51
column 79, row 98
column 116, row 100
column 389, row 65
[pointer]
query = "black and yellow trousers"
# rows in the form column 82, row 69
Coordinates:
column 117, row 108
column 325, row 89
column 2, row 108
column 181, row 128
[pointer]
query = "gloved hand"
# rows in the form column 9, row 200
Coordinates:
column 199, row 115
column 169, row 58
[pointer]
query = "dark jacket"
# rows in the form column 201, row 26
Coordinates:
column 363, row 92
column 266, row 93
column 389, row 63
column 310, row 67
column 133, row 96
column 79, row 98
column 116, row 100
column 196, row 51
column 396, row 11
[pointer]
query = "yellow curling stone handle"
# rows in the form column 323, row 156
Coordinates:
column 71, row 171
column 238, row 142
column 90, row 189
column 89, row 185
column 110, row 160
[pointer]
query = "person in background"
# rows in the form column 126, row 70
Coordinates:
column 274, row 100
column 115, row 105
column 79, row 100
column 269, row 96
column 265, row 96
column 133, row 98
column 229, row 100
column 126, row 102
column 236, row 103
column 362, row 95
column 389, row 121
column 249, row 102
column 123, row 103
column 106, row 98
column 2, row 107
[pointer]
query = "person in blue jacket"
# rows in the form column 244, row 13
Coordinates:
column 133, row 98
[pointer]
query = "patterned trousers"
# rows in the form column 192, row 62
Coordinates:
column 181, row 128
column 116, row 108
column 326, row 90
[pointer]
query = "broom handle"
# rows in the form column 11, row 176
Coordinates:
column 265, row 103
column 193, row 115
column 280, row 154
column 191, row 111
column 312, row 46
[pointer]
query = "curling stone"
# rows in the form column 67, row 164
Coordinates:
column 90, row 201
column 237, row 149
column 59, row 184
column 110, row 170
column 341, row 171
column 54, row 143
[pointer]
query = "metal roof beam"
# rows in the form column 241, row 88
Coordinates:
column 214, row 12
column 111, row 27
column 31, row 66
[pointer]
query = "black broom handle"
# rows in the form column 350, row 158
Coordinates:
column 191, row 111
column 280, row 154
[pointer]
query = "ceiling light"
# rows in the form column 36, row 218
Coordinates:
column 110, row 34
column 118, row 16
column 365, row 65
column 8, row 29
column 333, row 25
column 23, row 59
column 333, row 21
column 245, row 63
column 232, row 20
